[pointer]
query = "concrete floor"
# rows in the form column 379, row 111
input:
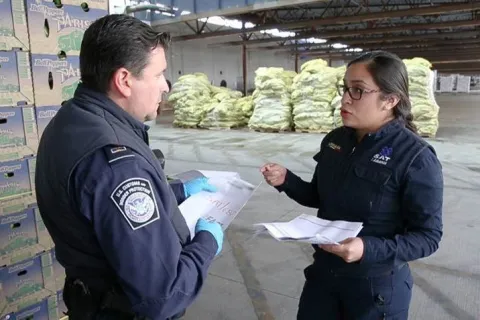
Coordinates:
column 257, row 277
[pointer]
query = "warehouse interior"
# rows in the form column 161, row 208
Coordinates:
column 253, row 81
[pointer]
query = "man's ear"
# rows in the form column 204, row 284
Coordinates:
column 122, row 82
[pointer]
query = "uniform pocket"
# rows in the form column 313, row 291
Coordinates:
column 377, row 177
column 365, row 189
column 382, row 292
column 409, row 281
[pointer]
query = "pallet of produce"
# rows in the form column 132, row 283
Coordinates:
column 312, row 93
column 271, row 100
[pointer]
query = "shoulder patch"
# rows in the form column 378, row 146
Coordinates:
column 136, row 201
column 115, row 153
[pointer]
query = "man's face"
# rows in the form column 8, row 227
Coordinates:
column 147, row 89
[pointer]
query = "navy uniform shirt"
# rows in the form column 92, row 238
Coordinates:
column 116, row 190
column 391, row 181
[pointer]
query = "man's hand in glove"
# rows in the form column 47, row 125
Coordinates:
column 214, row 228
column 197, row 185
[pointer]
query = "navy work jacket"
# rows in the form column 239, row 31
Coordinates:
column 391, row 181
column 113, row 216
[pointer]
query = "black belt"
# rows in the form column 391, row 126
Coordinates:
column 87, row 301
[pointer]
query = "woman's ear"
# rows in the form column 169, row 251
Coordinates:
column 391, row 101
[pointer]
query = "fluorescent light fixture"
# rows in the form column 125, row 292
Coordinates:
column 339, row 46
column 277, row 33
column 314, row 40
column 231, row 23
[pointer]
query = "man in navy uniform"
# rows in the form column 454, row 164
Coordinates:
column 103, row 195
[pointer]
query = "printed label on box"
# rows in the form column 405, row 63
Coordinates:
column 37, row 311
column 23, row 235
column 91, row 4
column 44, row 115
column 16, row 178
column 26, row 282
column 15, row 79
column 22, row 279
column 64, row 26
column 13, row 26
column 54, row 80
column 17, row 231
column 46, row 309
column 18, row 133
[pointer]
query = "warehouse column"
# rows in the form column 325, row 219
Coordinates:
column 244, row 63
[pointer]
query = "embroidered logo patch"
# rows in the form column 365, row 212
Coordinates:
column 334, row 146
column 136, row 201
column 383, row 156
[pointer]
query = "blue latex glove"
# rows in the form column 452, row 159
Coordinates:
column 197, row 185
column 214, row 228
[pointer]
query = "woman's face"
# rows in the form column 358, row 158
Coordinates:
column 364, row 109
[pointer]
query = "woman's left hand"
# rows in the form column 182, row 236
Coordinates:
column 350, row 250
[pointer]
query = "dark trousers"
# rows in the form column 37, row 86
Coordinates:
column 329, row 296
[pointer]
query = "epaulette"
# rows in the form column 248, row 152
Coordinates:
column 118, row 153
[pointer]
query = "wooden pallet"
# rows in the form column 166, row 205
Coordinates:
column 182, row 126
column 223, row 128
column 311, row 131
column 428, row 136
column 271, row 130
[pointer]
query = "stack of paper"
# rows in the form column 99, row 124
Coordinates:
column 221, row 206
column 310, row 229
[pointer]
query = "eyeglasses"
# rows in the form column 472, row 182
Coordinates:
column 353, row 92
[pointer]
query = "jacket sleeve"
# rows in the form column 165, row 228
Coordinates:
column 178, row 190
column 127, row 204
column 303, row 192
column 422, row 201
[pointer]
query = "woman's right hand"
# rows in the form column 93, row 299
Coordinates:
column 274, row 174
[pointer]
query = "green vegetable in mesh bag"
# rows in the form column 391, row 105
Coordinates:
column 191, row 95
column 224, row 114
column 221, row 93
column 337, row 101
column 424, row 107
column 314, row 66
column 246, row 105
column 312, row 93
column 271, row 99
column 223, row 111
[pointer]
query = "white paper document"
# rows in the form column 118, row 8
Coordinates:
column 221, row 206
column 310, row 229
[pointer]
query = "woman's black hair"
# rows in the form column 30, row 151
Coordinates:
column 390, row 74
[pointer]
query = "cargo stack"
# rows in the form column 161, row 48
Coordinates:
column 39, row 70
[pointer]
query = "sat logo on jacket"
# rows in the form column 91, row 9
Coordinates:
column 383, row 156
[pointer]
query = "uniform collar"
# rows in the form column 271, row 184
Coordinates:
column 102, row 101
column 390, row 127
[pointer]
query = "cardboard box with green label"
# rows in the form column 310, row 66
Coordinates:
column 15, row 79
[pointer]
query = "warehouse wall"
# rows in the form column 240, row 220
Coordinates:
column 222, row 63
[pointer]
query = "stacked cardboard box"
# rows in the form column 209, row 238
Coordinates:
column 39, row 70
column 56, row 33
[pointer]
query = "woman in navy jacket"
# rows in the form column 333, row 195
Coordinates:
column 376, row 170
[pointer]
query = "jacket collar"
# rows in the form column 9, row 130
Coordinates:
column 111, row 111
